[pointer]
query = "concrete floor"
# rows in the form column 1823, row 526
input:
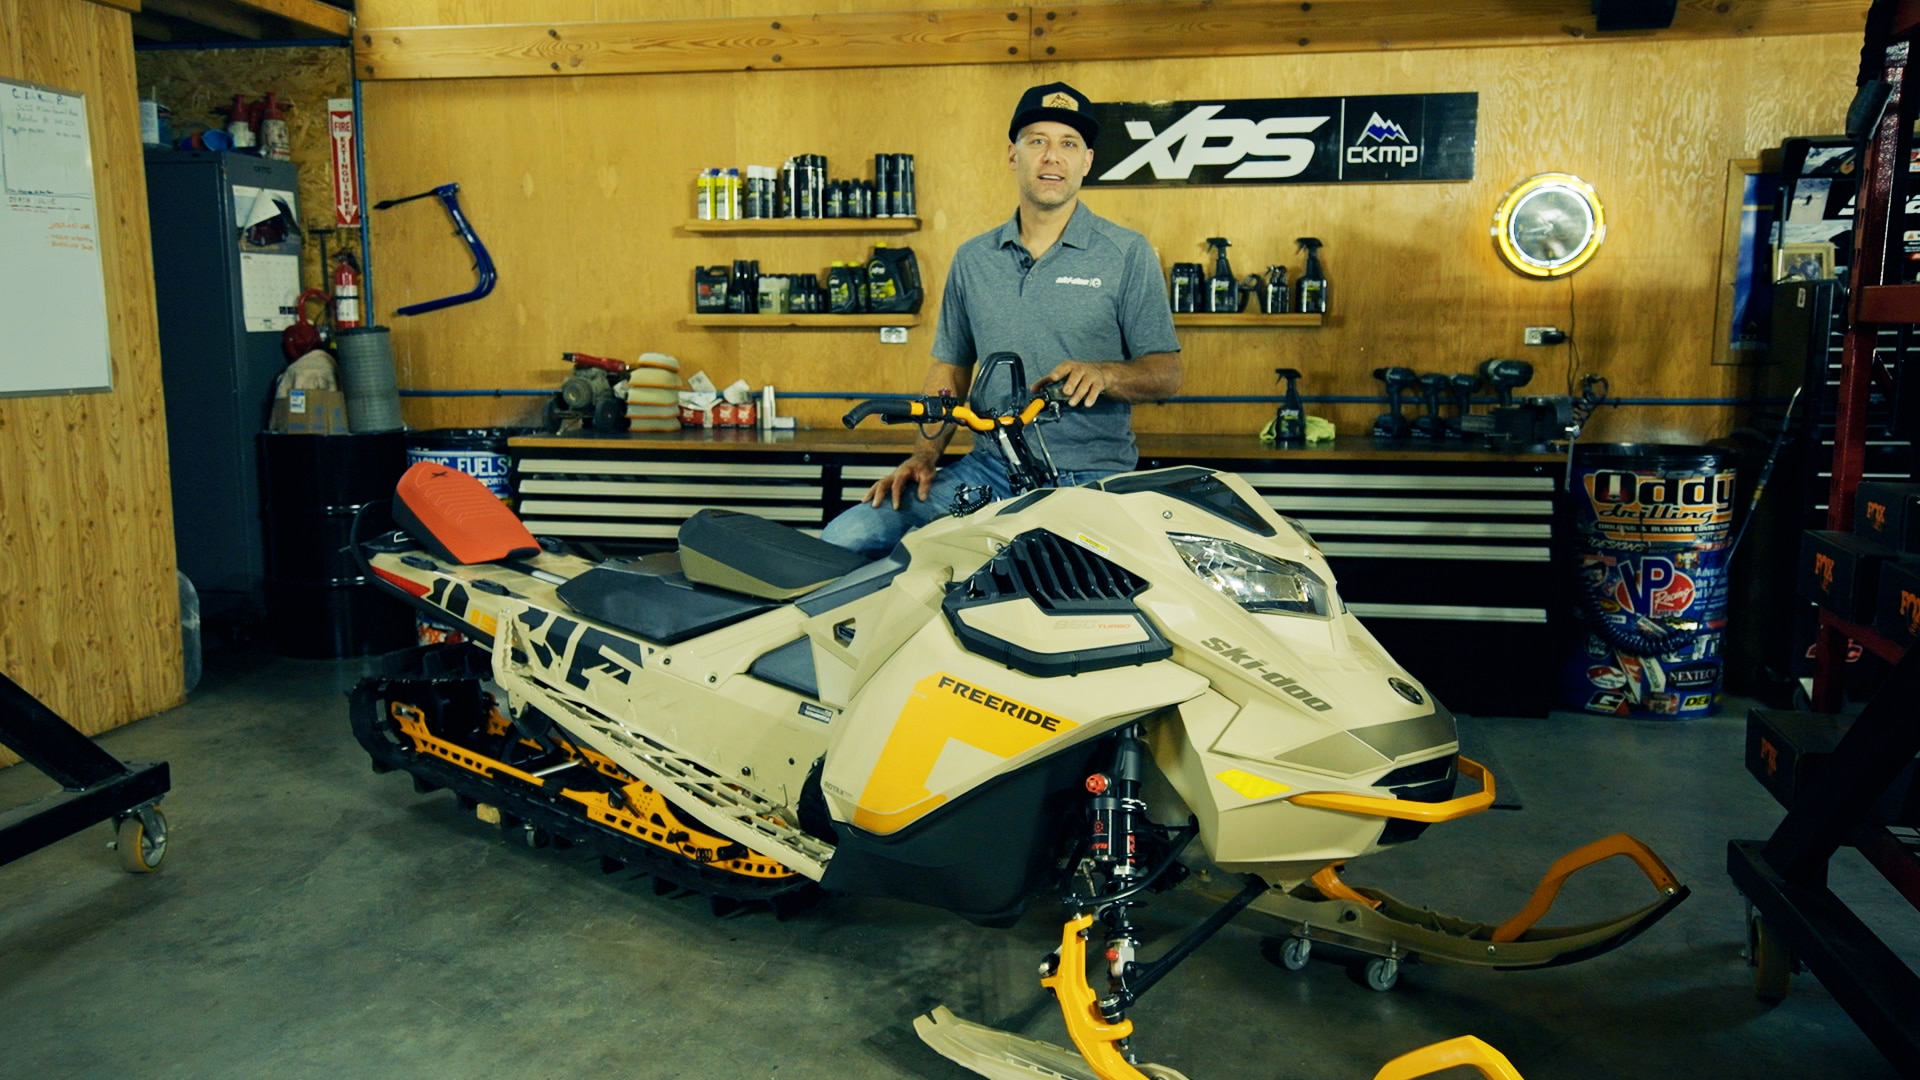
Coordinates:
column 314, row 919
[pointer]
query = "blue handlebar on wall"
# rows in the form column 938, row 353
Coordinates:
column 449, row 195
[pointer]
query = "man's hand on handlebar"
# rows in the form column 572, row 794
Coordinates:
column 913, row 472
column 1082, row 382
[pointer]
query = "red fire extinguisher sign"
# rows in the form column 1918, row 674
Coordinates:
column 346, row 177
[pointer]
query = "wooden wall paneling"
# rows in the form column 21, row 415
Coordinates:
column 791, row 42
column 1415, row 277
column 192, row 82
column 89, row 620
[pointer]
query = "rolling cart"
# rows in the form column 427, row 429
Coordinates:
column 97, row 787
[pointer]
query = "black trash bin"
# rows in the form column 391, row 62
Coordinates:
column 319, row 603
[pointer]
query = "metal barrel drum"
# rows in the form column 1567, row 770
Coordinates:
column 1652, row 524
column 319, row 603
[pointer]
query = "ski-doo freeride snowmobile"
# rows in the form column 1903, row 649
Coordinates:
column 1077, row 691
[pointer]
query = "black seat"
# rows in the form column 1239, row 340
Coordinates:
column 748, row 554
column 664, row 608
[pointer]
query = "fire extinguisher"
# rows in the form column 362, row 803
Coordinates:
column 346, row 291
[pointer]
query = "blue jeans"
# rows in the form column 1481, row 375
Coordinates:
column 874, row 530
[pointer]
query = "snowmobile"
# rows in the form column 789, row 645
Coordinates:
column 1081, row 691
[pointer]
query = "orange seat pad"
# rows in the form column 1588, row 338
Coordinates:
column 457, row 518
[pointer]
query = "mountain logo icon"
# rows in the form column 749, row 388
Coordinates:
column 1380, row 130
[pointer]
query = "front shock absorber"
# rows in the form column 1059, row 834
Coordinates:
column 1116, row 819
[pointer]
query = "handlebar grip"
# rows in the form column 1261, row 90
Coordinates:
column 889, row 410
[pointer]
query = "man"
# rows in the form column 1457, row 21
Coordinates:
column 1081, row 301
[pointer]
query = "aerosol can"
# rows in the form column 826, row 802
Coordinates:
column 1223, row 289
column 1312, row 289
column 1290, row 420
column 1275, row 299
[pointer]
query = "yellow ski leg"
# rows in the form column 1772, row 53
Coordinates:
column 1092, row 1035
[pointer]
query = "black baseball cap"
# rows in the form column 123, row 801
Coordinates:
column 1058, row 102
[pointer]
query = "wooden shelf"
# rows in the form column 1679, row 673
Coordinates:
column 812, row 322
column 1245, row 318
column 778, row 226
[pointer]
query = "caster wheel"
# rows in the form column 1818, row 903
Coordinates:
column 1771, row 959
column 1294, row 953
column 1379, row 974
column 142, row 841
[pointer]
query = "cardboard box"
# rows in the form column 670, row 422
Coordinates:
column 1888, row 513
column 310, row 412
column 1786, row 750
column 1896, row 610
column 1839, row 571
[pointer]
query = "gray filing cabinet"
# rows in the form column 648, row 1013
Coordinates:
column 218, row 376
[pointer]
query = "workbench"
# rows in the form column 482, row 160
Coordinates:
column 1447, row 553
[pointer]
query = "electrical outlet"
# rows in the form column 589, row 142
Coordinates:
column 1545, row 335
column 893, row 335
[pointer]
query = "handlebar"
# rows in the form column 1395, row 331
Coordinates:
column 946, row 410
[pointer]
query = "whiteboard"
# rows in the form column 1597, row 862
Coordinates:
column 53, row 292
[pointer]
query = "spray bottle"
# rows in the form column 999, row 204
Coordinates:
column 1276, row 299
column 1311, row 291
column 1223, row 289
column 1290, row 420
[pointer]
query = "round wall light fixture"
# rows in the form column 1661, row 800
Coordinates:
column 1549, row 225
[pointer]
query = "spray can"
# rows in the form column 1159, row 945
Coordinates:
column 882, row 182
column 908, row 207
column 1311, row 292
column 703, row 196
column 273, row 128
column 730, row 206
column 1185, row 287
column 1275, row 297
column 789, row 188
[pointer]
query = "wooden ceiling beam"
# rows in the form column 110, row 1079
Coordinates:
column 1258, row 27
column 799, row 42
column 213, row 14
column 305, row 15
column 1117, row 31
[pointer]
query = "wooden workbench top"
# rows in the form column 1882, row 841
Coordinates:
column 881, row 441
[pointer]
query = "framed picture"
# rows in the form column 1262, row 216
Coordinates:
column 1803, row 262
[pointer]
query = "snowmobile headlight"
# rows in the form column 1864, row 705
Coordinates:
column 1259, row 583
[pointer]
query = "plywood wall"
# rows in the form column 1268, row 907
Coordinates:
column 192, row 82
column 579, row 186
column 89, row 616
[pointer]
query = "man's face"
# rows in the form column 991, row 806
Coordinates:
column 1050, row 160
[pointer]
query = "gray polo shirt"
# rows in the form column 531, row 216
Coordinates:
column 1095, row 295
